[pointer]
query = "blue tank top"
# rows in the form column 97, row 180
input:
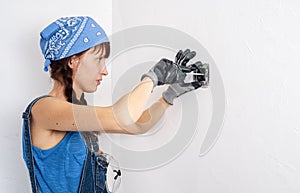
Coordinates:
column 58, row 170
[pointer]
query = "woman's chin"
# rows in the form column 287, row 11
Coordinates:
column 92, row 90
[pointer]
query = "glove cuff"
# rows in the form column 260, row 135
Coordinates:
column 152, row 76
column 169, row 95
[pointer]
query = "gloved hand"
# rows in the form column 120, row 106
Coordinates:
column 179, row 88
column 168, row 72
column 182, row 58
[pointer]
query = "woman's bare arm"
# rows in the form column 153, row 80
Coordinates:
column 126, row 116
column 151, row 116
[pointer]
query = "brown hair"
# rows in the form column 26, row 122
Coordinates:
column 61, row 72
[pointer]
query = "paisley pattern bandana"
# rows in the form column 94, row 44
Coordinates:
column 68, row 36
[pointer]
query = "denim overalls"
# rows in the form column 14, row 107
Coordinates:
column 93, row 175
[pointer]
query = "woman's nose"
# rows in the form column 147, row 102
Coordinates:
column 104, row 71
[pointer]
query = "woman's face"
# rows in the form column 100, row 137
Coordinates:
column 88, row 74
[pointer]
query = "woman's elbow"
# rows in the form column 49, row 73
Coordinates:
column 134, row 129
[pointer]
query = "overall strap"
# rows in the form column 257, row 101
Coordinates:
column 28, row 143
column 91, row 140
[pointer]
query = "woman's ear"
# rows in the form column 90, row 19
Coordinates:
column 74, row 62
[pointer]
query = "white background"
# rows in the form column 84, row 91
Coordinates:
column 255, row 45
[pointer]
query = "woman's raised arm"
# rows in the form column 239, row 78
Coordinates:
column 53, row 114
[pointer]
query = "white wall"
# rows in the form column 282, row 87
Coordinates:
column 254, row 45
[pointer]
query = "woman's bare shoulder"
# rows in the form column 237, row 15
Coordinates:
column 53, row 114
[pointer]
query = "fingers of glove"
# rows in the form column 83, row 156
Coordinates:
column 185, row 69
column 186, row 52
column 178, row 56
column 187, row 58
column 182, row 56
column 196, row 84
column 196, row 66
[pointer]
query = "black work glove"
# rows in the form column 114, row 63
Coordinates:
column 179, row 88
column 168, row 72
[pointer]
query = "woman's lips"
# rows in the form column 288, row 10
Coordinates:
column 98, row 82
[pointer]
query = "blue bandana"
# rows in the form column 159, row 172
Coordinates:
column 68, row 36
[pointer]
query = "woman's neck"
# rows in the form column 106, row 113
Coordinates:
column 58, row 91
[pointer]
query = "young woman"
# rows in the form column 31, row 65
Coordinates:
column 58, row 127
